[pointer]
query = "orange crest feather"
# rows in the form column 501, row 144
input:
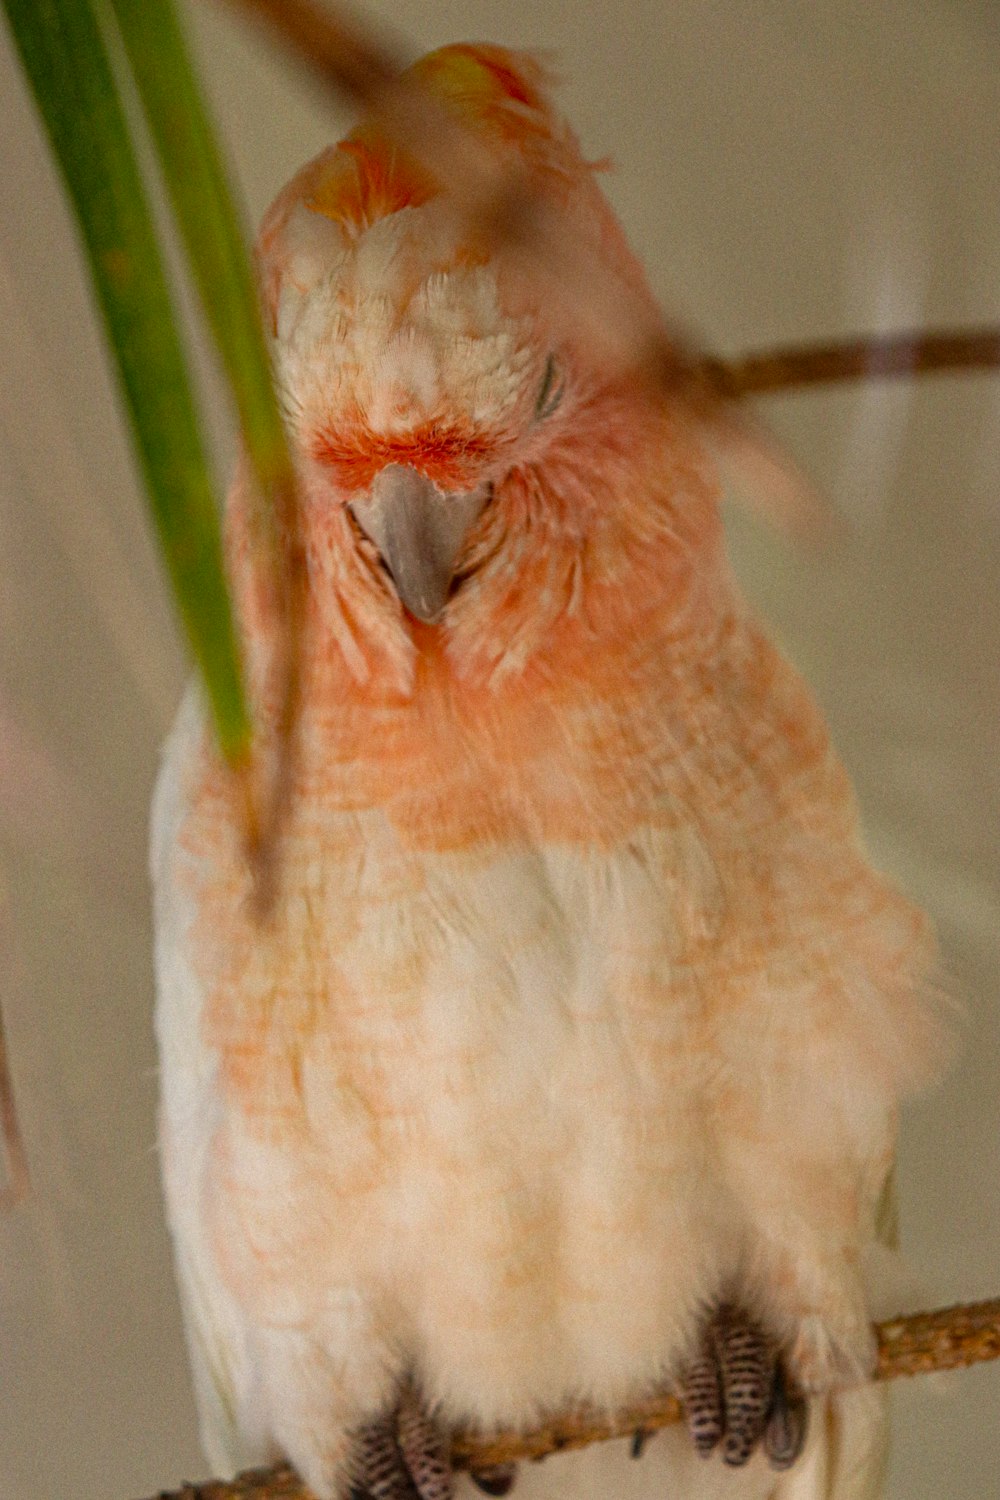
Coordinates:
column 496, row 92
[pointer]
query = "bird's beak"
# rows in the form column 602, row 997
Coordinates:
column 418, row 530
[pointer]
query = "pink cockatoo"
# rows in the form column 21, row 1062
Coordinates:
column 567, row 1065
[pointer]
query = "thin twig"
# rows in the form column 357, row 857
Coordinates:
column 330, row 42
column 502, row 205
column 15, row 1174
column 487, row 187
column 948, row 1339
column 18, row 1177
column 505, row 208
column 872, row 356
column 497, row 197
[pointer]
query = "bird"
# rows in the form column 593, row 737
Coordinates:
column 567, row 1063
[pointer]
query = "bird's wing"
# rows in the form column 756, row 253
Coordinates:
column 213, row 1326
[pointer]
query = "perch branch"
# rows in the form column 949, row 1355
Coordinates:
column 947, row 1339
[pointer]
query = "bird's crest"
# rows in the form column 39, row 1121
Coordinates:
column 497, row 93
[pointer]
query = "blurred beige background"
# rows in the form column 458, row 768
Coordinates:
column 786, row 168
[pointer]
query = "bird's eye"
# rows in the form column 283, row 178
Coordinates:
column 551, row 392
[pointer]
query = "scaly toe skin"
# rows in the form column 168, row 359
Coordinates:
column 747, row 1362
column 735, row 1394
column 402, row 1456
column 701, row 1393
column 380, row 1472
column 424, row 1449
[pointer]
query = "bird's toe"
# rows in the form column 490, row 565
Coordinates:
column 736, row 1395
column 402, row 1455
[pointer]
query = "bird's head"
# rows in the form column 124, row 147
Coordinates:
column 463, row 452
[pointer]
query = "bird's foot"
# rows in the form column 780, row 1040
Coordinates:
column 402, row 1455
column 736, row 1393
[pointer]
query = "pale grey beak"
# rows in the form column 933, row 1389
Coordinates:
column 418, row 530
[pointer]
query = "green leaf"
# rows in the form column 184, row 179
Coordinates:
column 203, row 206
column 67, row 63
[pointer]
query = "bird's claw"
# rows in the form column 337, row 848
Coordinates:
column 498, row 1479
column 735, row 1393
column 402, row 1455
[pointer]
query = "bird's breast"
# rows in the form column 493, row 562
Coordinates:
column 451, row 1071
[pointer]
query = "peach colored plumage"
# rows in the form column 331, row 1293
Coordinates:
column 581, row 1014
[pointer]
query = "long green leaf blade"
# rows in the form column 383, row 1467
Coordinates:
column 67, row 64
column 210, row 228
column 197, row 182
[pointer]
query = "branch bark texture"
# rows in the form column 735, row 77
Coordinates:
column 947, row 1339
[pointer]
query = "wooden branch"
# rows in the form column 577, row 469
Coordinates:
column 496, row 198
column 15, row 1177
column 505, row 208
column 492, row 192
column 948, row 1339
column 18, row 1179
column 872, row 356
